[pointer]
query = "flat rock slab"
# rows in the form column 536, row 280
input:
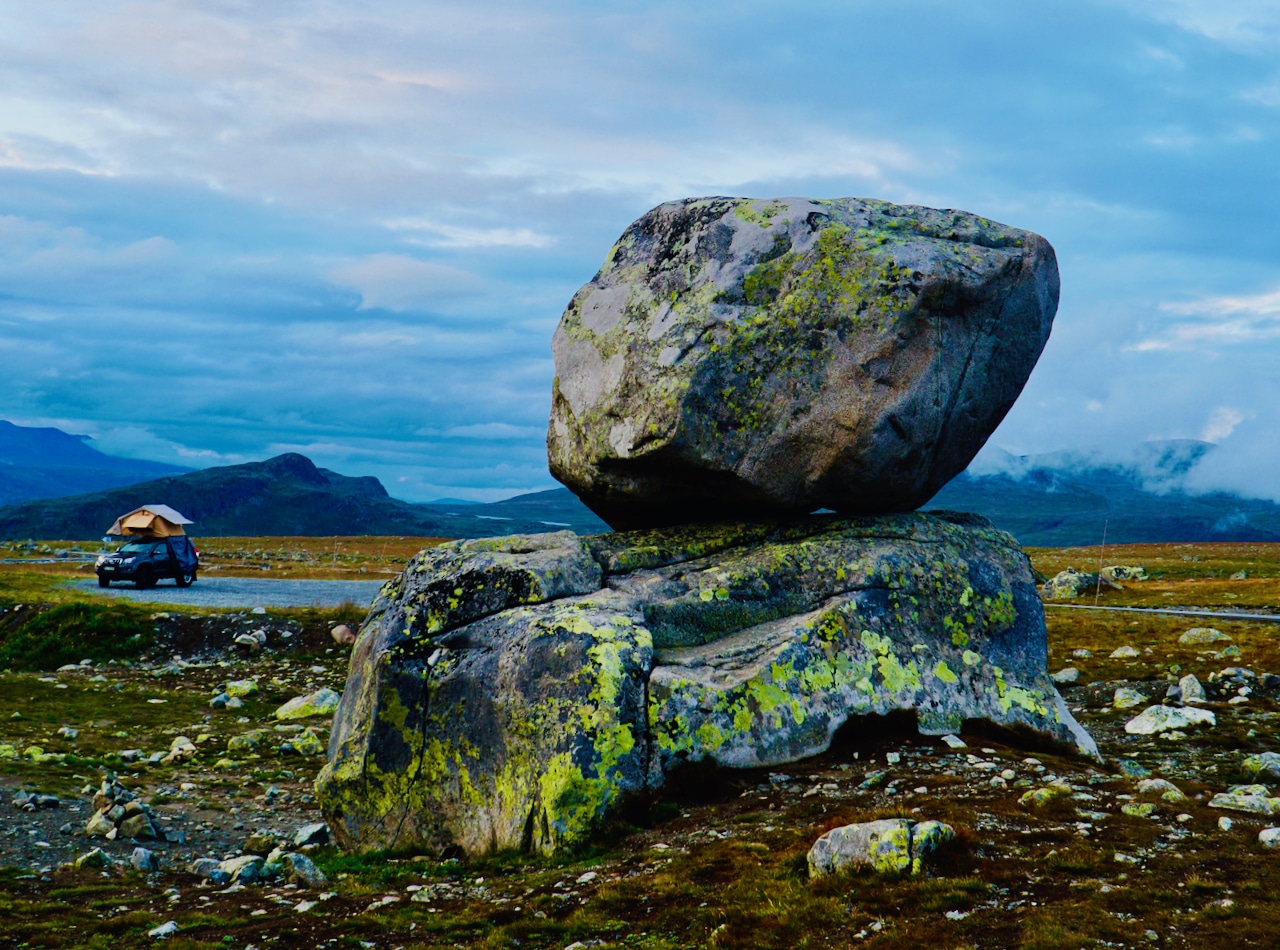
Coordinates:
column 510, row 692
column 737, row 356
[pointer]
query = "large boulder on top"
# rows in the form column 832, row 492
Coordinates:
column 736, row 357
column 511, row 692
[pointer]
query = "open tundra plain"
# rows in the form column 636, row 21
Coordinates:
column 107, row 704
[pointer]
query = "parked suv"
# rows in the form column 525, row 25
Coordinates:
column 146, row 560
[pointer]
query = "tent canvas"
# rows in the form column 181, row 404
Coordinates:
column 158, row 521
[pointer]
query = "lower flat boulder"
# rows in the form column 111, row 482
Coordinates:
column 512, row 693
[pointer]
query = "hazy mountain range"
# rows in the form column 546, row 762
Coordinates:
column 47, row 463
column 65, row 489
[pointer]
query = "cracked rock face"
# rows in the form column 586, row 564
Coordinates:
column 511, row 692
column 735, row 357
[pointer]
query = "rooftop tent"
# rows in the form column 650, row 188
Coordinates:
column 157, row 521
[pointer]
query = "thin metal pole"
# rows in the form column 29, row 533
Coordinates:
column 1097, row 590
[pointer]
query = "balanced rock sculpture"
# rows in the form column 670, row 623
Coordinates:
column 735, row 358
column 510, row 692
column 747, row 362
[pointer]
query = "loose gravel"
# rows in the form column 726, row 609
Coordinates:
column 244, row 592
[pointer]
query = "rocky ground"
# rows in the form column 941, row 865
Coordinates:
column 1051, row 851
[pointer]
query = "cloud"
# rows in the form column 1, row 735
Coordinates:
column 238, row 227
column 1227, row 321
column 398, row 282
column 443, row 235
column 1222, row 422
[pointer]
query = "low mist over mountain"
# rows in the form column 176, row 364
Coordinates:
column 289, row 495
column 1061, row 498
column 49, row 463
column 1056, row 499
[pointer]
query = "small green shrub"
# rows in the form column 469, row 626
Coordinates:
column 69, row 633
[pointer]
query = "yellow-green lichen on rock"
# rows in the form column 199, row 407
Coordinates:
column 523, row 721
column 734, row 357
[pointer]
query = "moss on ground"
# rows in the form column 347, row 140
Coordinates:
column 718, row 861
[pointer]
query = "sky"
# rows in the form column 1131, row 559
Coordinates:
column 233, row 229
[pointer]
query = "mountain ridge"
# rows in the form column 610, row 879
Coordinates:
column 290, row 495
column 44, row 462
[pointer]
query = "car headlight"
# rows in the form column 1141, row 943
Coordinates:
column 101, row 558
column 128, row 560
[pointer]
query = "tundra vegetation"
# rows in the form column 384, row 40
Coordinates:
column 1051, row 850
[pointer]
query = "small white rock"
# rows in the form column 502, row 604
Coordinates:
column 1269, row 837
column 1225, row 823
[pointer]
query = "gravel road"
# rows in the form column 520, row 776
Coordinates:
column 244, row 592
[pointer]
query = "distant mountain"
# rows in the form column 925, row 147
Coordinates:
column 50, row 463
column 1065, row 499
column 1053, row 500
column 289, row 495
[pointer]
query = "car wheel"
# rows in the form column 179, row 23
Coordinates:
column 103, row 582
column 144, row 578
column 186, row 578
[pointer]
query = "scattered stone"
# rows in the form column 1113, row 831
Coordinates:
column 145, row 860
column 1065, row 676
column 1239, row 575
column 323, row 702
column 1039, row 797
column 220, row 701
column 248, row 642
column 31, row 801
column 260, row 842
column 1071, row 583
column 238, row 689
column 247, row 741
column 304, row 743
column 68, row 733
column 1252, row 799
column 342, row 635
column 1082, row 654
column 1225, row 823
column 743, row 387
column 954, row 742
column 1190, row 690
column 1124, row 572
column 137, row 826
column 210, row 869
column 1269, row 837
column 1165, row 789
column 245, row 869
column 1200, row 635
column 588, row 877
column 167, row 929
column 1157, row 719
column 301, row 870
column 313, row 834
column 1267, row 763
column 181, row 749
column 1138, row 809
column 1127, row 698
column 98, row 825
column 97, row 859
column 891, row 844
column 1124, row 653
column 258, row 610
